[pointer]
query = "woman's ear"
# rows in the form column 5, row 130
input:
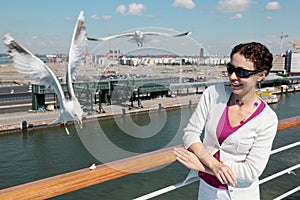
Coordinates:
column 262, row 75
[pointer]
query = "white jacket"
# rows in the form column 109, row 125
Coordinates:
column 246, row 151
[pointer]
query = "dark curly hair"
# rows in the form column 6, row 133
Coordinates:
column 256, row 53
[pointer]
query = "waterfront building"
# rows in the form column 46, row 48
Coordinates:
column 278, row 64
column 292, row 62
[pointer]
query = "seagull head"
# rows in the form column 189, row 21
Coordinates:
column 72, row 111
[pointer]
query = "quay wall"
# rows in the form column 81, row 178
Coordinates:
column 16, row 124
column 23, row 121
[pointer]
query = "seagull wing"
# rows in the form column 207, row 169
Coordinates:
column 111, row 37
column 77, row 51
column 27, row 63
column 167, row 34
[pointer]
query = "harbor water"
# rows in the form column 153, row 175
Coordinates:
column 48, row 152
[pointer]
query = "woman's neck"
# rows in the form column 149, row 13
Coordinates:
column 250, row 99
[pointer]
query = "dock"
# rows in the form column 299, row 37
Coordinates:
column 20, row 121
column 12, row 122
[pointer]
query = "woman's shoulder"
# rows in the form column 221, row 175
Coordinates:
column 216, row 88
column 219, row 91
column 269, row 113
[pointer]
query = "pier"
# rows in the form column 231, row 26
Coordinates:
column 120, row 91
column 12, row 122
column 107, row 99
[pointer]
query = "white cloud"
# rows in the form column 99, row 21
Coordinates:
column 133, row 9
column 136, row 9
column 95, row 17
column 274, row 5
column 69, row 19
column 106, row 17
column 34, row 37
column 121, row 9
column 186, row 4
column 233, row 5
column 43, row 44
column 237, row 16
column 269, row 17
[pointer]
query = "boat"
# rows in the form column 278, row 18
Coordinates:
column 268, row 96
column 272, row 99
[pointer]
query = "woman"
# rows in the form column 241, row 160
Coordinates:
column 238, row 127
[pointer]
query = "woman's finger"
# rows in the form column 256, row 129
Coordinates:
column 177, row 152
column 231, row 178
column 219, row 177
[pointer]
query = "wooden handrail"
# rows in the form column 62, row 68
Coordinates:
column 79, row 179
column 68, row 182
column 288, row 123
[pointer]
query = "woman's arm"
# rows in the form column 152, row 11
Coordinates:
column 205, row 162
column 214, row 167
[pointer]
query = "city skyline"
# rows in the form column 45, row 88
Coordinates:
column 216, row 26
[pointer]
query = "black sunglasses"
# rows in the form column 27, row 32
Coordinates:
column 240, row 72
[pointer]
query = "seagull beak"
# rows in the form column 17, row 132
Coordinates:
column 80, row 123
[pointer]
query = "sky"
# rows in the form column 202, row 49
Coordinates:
column 46, row 26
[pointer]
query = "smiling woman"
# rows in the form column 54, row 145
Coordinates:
column 239, row 128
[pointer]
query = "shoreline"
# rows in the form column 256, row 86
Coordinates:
column 13, row 122
column 36, row 121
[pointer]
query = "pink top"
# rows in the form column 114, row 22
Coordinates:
column 224, row 129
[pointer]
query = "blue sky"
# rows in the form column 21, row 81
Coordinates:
column 46, row 26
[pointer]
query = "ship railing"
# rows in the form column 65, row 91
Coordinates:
column 194, row 179
column 79, row 179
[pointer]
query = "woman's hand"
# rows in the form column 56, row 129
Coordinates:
column 189, row 159
column 223, row 173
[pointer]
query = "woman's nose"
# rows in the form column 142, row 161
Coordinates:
column 233, row 76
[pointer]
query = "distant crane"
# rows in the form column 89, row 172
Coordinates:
column 281, row 41
column 294, row 45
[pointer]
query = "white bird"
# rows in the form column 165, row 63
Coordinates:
column 138, row 36
column 292, row 172
column 27, row 63
column 93, row 166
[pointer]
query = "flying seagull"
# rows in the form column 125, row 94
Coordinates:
column 139, row 36
column 27, row 63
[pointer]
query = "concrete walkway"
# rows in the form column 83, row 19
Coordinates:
column 12, row 122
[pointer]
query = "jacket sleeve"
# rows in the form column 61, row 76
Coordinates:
column 258, row 156
column 196, row 123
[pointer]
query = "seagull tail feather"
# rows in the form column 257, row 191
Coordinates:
column 56, row 121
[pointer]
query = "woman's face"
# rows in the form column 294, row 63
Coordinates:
column 243, row 85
